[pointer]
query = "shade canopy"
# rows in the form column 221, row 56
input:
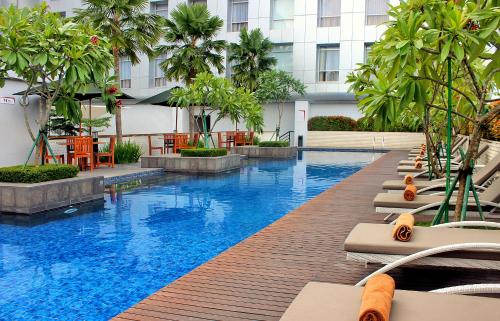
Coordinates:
column 160, row 99
column 87, row 93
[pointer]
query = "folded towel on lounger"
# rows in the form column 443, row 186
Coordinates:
column 403, row 228
column 408, row 179
column 376, row 300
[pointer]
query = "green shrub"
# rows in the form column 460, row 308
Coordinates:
column 37, row 174
column 127, row 152
column 256, row 140
column 203, row 152
column 366, row 124
column 331, row 123
column 273, row 143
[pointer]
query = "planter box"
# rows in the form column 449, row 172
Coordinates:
column 19, row 198
column 206, row 165
column 266, row 152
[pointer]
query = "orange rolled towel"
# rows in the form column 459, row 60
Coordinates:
column 418, row 165
column 376, row 301
column 408, row 179
column 410, row 192
column 403, row 228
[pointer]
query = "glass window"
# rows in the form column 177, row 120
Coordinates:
column 284, row 56
column 282, row 14
column 329, row 13
column 125, row 72
column 159, row 75
column 376, row 12
column 328, row 63
column 160, row 8
column 368, row 48
column 198, row 1
column 238, row 15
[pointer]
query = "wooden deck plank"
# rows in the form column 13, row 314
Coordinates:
column 259, row 277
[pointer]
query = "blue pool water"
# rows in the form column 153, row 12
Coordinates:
column 96, row 262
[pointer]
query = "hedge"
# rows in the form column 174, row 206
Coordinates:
column 203, row 152
column 273, row 143
column 331, row 123
column 37, row 174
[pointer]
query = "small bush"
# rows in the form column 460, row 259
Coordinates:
column 203, row 152
column 256, row 140
column 37, row 174
column 331, row 123
column 366, row 124
column 127, row 152
column 273, row 143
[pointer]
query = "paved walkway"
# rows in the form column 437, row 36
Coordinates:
column 258, row 278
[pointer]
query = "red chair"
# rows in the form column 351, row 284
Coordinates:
column 84, row 149
column 250, row 139
column 70, row 149
column 181, row 141
column 109, row 155
column 48, row 156
column 169, row 142
column 152, row 148
column 240, row 139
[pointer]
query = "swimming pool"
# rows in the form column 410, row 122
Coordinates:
column 96, row 262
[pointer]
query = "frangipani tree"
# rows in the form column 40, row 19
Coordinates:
column 428, row 46
column 277, row 86
column 55, row 57
column 217, row 96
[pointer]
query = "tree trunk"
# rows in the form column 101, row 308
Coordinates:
column 475, row 140
column 118, row 108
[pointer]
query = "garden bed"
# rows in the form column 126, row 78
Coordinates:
column 266, row 152
column 31, row 198
column 185, row 164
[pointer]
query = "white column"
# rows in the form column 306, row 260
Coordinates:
column 301, row 117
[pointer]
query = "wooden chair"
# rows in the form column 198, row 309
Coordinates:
column 169, row 142
column 181, row 142
column 110, row 155
column 250, row 139
column 239, row 139
column 230, row 139
column 152, row 148
column 70, row 149
column 48, row 157
column 84, row 149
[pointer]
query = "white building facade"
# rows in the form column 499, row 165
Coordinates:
column 317, row 41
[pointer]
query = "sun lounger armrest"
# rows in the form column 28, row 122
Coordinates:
column 469, row 289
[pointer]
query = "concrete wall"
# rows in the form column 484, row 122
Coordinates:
column 15, row 141
column 335, row 109
column 369, row 140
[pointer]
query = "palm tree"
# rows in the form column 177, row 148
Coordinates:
column 250, row 58
column 191, row 46
column 130, row 31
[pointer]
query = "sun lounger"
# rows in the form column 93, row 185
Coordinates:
column 458, row 143
column 481, row 176
column 410, row 169
column 427, row 204
column 326, row 302
column 373, row 243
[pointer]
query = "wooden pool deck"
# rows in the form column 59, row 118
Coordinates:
column 258, row 278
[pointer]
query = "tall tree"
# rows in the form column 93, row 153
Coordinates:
column 191, row 46
column 277, row 86
column 55, row 57
column 250, row 58
column 130, row 30
column 425, row 44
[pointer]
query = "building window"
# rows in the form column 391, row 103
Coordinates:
column 198, row 1
column 160, row 8
column 125, row 72
column 62, row 14
column 282, row 14
column 229, row 65
column 238, row 15
column 329, row 13
column 284, row 56
column 159, row 75
column 368, row 48
column 328, row 63
column 376, row 12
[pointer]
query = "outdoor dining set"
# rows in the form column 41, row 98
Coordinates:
column 174, row 142
column 84, row 152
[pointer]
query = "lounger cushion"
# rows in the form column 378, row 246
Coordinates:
column 396, row 200
column 399, row 185
column 336, row 302
column 376, row 238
